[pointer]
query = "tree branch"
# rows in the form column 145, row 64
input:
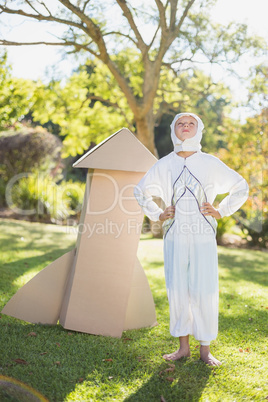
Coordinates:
column 41, row 17
column 92, row 30
column 85, row 5
column 121, row 34
column 184, row 15
column 173, row 12
column 44, row 5
column 78, row 46
column 127, row 13
column 95, row 33
column 172, row 33
column 4, row 42
column 30, row 4
column 162, row 20
column 162, row 15
column 106, row 101
column 153, row 39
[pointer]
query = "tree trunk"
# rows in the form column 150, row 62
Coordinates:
column 145, row 131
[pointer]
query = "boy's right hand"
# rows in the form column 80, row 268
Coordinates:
column 167, row 214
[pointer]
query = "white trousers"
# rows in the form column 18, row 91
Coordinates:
column 191, row 273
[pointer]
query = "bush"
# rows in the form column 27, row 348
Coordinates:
column 22, row 196
column 40, row 198
column 2, row 192
column 26, row 152
column 225, row 225
column 254, row 225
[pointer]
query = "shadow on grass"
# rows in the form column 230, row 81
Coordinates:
column 58, row 362
column 153, row 264
column 10, row 272
column 186, row 383
column 240, row 317
column 28, row 247
column 239, row 326
column 18, row 236
column 249, row 266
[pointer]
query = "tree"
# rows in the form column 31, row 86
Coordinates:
column 180, row 36
column 248, row 154
column 15, row 95
column 258, row 88
column 90, row 104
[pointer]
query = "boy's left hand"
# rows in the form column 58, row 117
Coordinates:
column 208, row 209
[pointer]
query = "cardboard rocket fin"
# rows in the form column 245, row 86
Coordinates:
column 40, row 300
column 140, row 308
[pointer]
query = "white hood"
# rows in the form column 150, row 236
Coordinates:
column 190, row 144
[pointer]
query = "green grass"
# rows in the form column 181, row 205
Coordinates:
column 70, row 366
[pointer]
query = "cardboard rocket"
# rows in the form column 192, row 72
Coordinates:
column 99, row 287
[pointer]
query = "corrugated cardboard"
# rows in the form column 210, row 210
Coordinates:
column 40, row 300
column 101, row 289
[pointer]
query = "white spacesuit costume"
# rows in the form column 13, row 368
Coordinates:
column 190, row 249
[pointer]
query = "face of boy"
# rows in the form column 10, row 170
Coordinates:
column 186, row 127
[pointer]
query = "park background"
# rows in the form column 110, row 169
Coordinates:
column 127, row 67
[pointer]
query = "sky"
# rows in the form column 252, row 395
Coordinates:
column 34, row 61
column 37, row 62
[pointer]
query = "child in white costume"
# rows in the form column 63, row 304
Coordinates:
column 188, row 181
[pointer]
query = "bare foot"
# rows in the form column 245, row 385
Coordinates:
column 207, row 357
column 178, row 354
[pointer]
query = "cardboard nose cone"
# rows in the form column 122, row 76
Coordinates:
column 104, row 289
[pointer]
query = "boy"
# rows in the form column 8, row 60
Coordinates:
column 188, row 181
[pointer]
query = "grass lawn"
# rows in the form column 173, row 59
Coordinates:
column 70, row 366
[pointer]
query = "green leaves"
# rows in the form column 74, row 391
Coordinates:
column 88, row 108
column 16, row 95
